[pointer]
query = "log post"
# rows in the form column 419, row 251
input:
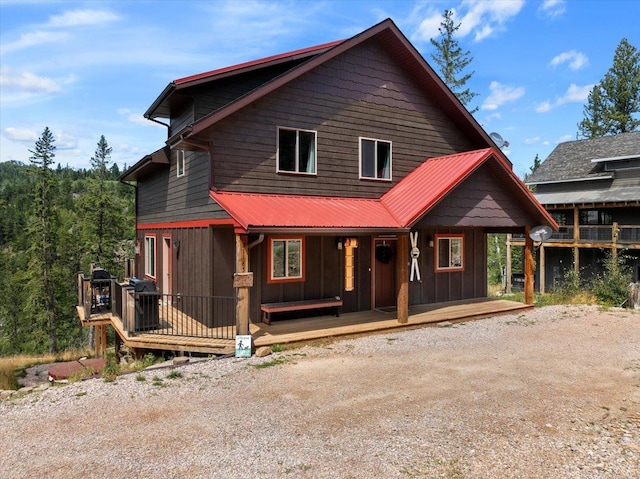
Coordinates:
column 403, row 279
column 541, row 270
column 576, row 240
column 242, row 293
column 507, row 273
column 528, row 266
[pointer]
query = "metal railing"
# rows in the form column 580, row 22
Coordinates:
column 628, row 234
column 624, row 234
column 192, row 316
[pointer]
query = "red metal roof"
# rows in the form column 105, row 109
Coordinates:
column 399, row 208
column 254, row 63
column 254, row 210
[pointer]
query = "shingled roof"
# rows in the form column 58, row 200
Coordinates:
column 573, row 160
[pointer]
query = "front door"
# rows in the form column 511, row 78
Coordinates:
column 384, row 272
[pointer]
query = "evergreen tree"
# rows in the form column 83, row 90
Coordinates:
column 452, row 61
column 614, row 101
column 41, row 229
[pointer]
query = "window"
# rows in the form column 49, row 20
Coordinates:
column 296, row 151
column 375, row 159
column 180, row 163
column 449, row 252
column 286, row 259
column 150, row 256
column 595, row 217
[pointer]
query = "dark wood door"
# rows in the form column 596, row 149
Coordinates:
column 384, row 270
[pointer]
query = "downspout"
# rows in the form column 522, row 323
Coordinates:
column 257, row 242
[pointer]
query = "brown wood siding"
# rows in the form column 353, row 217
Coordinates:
column 445, row 286
column 362, row 93
column 480, row 200
column 164, row 197
column 181, row 119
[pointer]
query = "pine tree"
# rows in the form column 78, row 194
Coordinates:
column 41, row 229
column 612, row 103
column 452, row 61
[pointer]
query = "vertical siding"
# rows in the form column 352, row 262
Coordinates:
column 364, row 93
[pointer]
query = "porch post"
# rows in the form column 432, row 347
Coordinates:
column 403, row 279
column 507, row 273
column 528, row 266
column 541, row 269
column 242, row 293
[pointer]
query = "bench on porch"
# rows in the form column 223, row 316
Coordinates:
column 269, row 308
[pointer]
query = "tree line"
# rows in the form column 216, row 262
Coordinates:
column 55, row 222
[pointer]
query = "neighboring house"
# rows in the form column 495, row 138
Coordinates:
column 592, row 190
column 346, row 171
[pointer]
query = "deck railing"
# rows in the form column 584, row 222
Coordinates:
column 155, row 313
column 626, row 234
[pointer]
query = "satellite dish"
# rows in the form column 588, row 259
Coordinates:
column 498, row 140
column 540, row 233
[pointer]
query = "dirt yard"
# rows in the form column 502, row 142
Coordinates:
column 549, row 393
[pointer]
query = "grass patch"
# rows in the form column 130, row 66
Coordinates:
column 268, row 364
column 277, row 348
column 174, row 374
column 140, row 377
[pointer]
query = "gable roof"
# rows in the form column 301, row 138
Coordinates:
column 398, row 209
column 398, row 47
column 574, row 160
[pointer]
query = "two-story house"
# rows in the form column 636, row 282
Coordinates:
column 345, row 175
column 591, row 188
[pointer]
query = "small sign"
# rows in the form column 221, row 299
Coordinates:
column 243, row 280
column 243, row 346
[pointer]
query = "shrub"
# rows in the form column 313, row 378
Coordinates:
column 611, row 287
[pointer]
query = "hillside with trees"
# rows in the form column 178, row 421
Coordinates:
column 54, row 222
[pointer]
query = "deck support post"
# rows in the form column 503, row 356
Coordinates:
column 528, row 266
column 403, row 279
column 101, row 341
column 507, row 272
column 242, row 293
column 541, row 270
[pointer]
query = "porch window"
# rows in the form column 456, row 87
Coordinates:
column 286, row 259
column 375, row 159
column 449, row 252
column 296, row 151
column 180, row 163
column 150, row 256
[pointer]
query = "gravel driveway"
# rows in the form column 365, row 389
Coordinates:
column 553, row 392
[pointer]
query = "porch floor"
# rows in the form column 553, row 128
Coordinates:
column 297, row 330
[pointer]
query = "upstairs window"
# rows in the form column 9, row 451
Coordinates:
column 286, row 259
column 449, row 252
column 375, row 159
column 180, row 163
column 296, row 151
column 150, row 256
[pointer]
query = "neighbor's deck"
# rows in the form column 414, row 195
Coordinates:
column 300, row 330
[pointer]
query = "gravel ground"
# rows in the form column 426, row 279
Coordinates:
column 549, row 393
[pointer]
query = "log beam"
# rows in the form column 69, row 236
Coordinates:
column 528, row 267
column 242, row 293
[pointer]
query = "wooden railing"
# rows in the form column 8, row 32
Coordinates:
column 156, row 313
column 616, row 233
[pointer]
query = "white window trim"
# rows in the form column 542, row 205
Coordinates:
column 315, row 141
column 436, row 255
column 181, row 160
column 147, row 263
column 360, row 159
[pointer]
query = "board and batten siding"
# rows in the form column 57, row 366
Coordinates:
column 361, row 93
column 163, row 197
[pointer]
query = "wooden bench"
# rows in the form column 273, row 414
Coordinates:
column 269, row 308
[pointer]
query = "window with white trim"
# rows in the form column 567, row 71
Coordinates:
column 375, row 159
column 449, row 252
column 180, row 163
column 296, row 151
column 286, row 259
column 150, row 256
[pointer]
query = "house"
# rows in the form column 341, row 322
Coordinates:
column 592, row 189
column 344, row 177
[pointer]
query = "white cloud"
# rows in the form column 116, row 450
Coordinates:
column 501, row 94
column 479, row 18
column 531, row 141
column 66, row 141
column 75, row 18
column 543, row 107
column 576, row 60
column 552, row 8
column 575, row 94
column 136, row 118
column 25, row 85
column 32, row 39
column 20, row 134
column 564, row 139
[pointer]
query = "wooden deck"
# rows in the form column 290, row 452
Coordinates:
column 300, row 330
column 292, row 331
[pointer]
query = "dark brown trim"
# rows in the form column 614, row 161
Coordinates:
column 188, row 224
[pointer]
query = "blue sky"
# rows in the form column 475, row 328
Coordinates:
column 86, row 69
